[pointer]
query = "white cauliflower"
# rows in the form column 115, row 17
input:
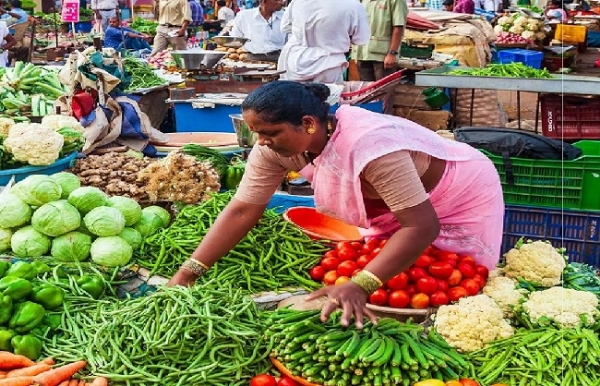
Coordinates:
column 498, row 29
column 34, row 144
column 504, row 292
column 537, row 262
column 505, row 20
column 471, row 323
column 56, row 122
column 521, row 21
column 532, row 25
column 5, row 125
column 528, row 35
column 516, row 29
column 563, row 306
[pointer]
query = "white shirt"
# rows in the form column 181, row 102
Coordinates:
column 265, row 35
column 321, row 33
column 226, row 14
column 3, row 33
column 488, row 5
column 105, row 4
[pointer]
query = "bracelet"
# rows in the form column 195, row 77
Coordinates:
column 367, row 281
column 194, row 266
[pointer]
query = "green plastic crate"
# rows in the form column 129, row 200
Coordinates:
column 554, row 183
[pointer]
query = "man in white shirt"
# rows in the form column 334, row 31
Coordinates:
column 489, row 5
column 7, row 41
column 104, row 10
column 262, row 26
column 225, row 14
column 321, row 33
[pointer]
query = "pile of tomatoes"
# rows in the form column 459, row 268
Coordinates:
column 269, row 380
column 436, row 278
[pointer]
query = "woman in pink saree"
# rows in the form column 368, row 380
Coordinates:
column 387, row 175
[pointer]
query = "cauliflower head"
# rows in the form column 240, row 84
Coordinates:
column 528, row 35
column 537, row 262
column 521, row 21
column 516, row 29
column 532, row 25
column 471, row 323
column 504, row 292
column 34, row 144
column 5, row 125
column 505, row 20
column 498, row 29
column 565, row 307
column 56, row 122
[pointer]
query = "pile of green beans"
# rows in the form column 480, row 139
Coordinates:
column 173, row 337
column 274, row 255
column 142, row 75
column 545, row 356
column 510, row 70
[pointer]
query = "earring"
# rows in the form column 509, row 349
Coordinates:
column 311, row 130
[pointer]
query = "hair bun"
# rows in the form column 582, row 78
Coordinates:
column 319, row 90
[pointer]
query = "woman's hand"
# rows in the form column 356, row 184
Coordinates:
column 182, row 277
column 351, row 298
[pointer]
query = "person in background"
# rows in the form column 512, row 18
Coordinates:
column 225, row 14
column 448, row 5
column 321, row 33
column 197, row 15
column 555, row 12
column 387, row 175
column 209, row 10
column 15, row 15
column 464, row 6
column 7, row 41
column 104, row 10
column 173, row 19
column 489, row 5
column 262, row 26
column 118, row 37
column 435, row 5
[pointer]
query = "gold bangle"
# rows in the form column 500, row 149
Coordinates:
column 195, row 267
column 206, row 267
column 373, row 276
column 366, row 281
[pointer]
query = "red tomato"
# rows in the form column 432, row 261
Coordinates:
column 468, row 382
column 286, row 381
column 419, row 301
column 379, row 297
column 440, row 270
column 439, row 298
column 471, row 286
column 399, row 299
column 375, row 252
column 427, row 285
column 345, row 254
column 341, row 280
column 342, row 245
column 456, row 293
column 330, row 277
column 482, row 270
column 332, row 253
column 346, row 268
column 356, row 245
column 430, row 251
column 479, row 280
column 466, row 269
column 415, row 273
column 455, row 278
column 398, row 282
column 330, row 263
column 263, row 380
column 383, row 242
column 363, row 260
column 368, row 247
column 442, row 285
column 468, row 260
column 443, row 255
column 317, row 272
column 356, row 271
column 411, row 289
column 453, row 264
column 453, row 383
column 423, row 261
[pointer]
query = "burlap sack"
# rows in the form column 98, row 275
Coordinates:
column 485, row 106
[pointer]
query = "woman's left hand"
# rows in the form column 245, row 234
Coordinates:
column 350, row 298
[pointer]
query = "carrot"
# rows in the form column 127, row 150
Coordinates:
column 3, row 372
column 74, row 382
column 29, row 371
column 100, row 381
column 65, row 383
column 10, row 361
column 48, row 361
column 17, row 381
column 55, row 376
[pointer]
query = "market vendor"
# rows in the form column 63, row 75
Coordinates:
column 118, row 37
column 173, row 19
column 15, row 15
column 555, row 12
column 371, row 170
column 7, row 41
column 262, row 25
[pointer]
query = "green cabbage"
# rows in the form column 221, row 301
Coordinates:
column 14, row 212
column 128, row 206
column 37, row 189
column 56, row 218
column 27, row 242
column 149, row 223
column 87, row 198
column 133, row 237
column 162, row 213
column 67, row 181
column 73, row 246
column 104, row 221
column 111, row 251
column 5, row 235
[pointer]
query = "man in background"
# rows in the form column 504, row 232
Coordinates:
column 104, row 10
column 173, row 19
column 225, row 14
column 448, row 5
column 197, row 16
column 15, row 15
column 118, row 37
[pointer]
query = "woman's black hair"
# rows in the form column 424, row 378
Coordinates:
column 285, row 101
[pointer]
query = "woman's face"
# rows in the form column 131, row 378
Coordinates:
column 282, row 138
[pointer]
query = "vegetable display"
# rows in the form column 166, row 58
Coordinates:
column 522, row 26
column 142, row 75
column 510, row 70
column 143, row 26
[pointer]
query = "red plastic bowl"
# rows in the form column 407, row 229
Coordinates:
column 321, row 227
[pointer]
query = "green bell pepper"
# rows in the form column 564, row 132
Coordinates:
column 52, row 321
column 15, row 287
column 4, row 266
column 233, row 176
column 6, row 308
column 23, row 270
column 5, row 336
column 27, row 345
column 48, row 295
column 40, row 267
column 93, row 285
column 27, row 315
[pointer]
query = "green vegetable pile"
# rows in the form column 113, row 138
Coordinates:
column 511, row 70
column 142, row 75
column 274, row 254
column 144, row 26
column 391, row 353
column 208, row 335
column 219, row 162
column 581, row 277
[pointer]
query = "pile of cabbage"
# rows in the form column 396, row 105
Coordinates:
column 55, row 215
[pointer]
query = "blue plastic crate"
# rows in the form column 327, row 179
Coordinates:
column 527, row 57
column 26, row 171
column 205, row 119
column 576, row 231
